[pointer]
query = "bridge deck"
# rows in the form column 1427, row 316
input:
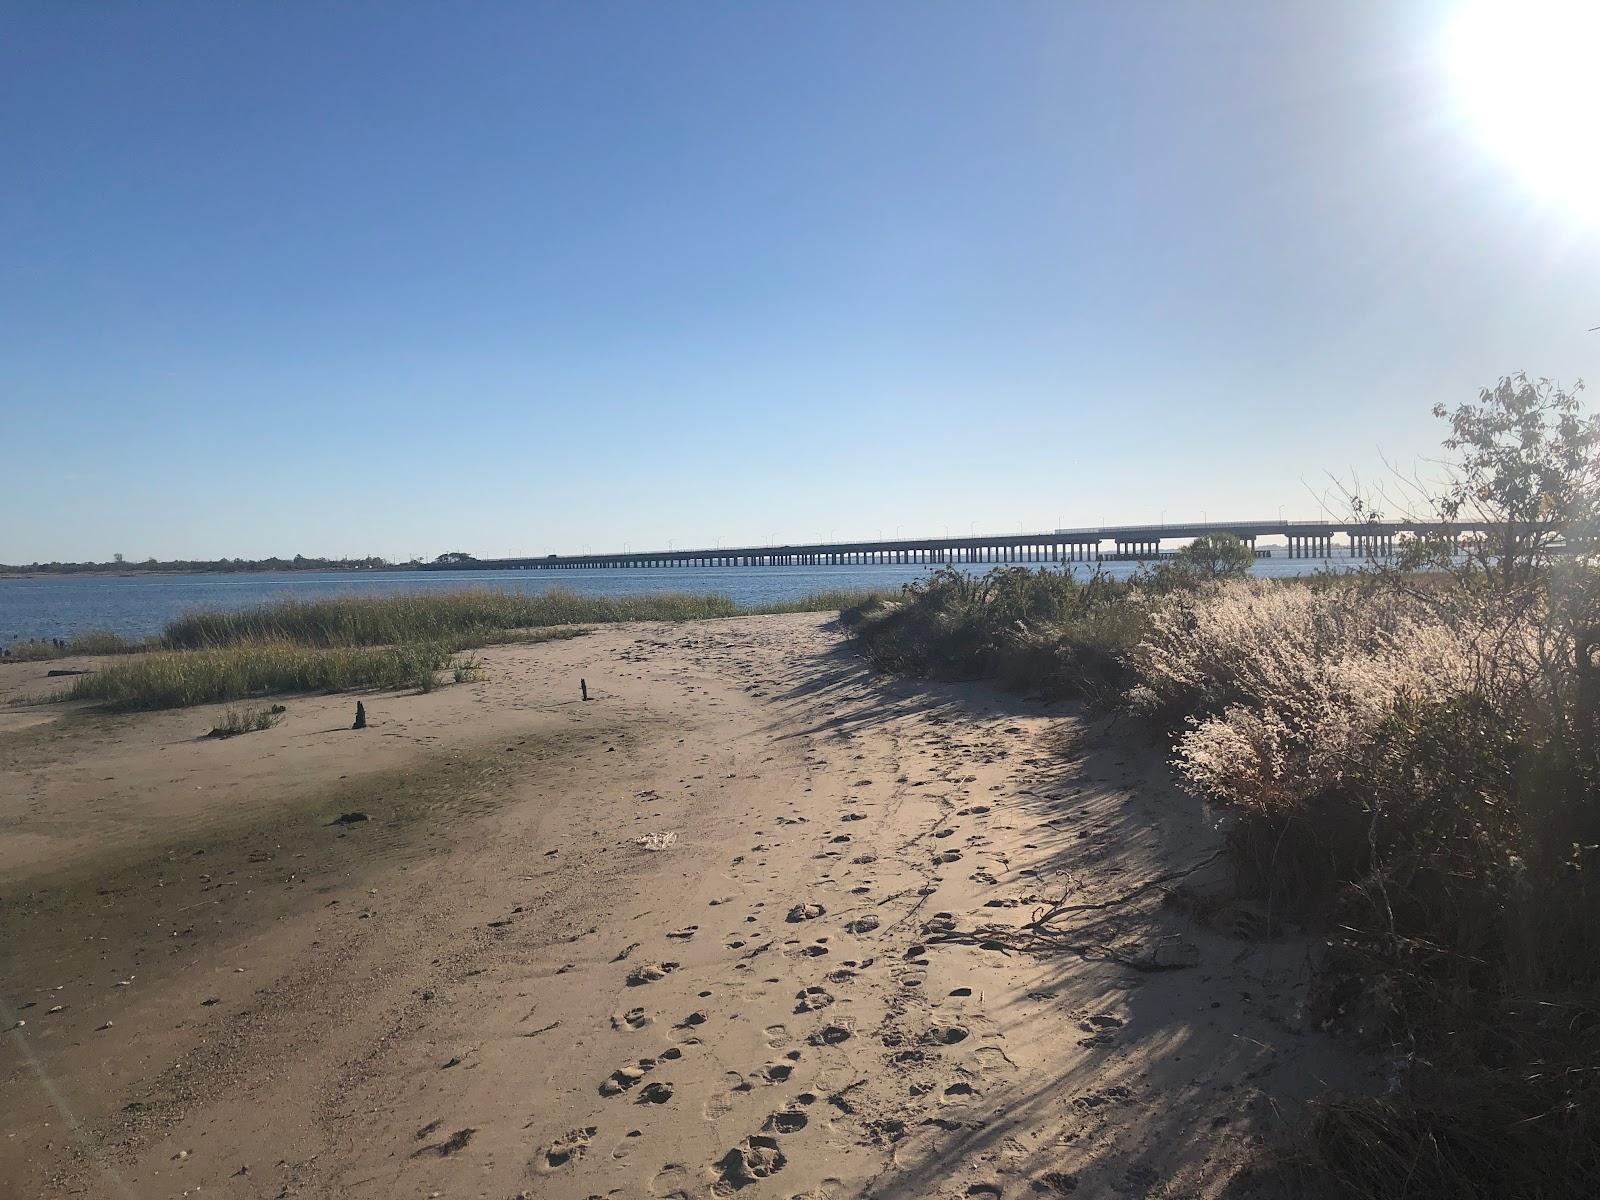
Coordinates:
column 1127, row 542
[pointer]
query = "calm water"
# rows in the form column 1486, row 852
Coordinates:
column 139, row 605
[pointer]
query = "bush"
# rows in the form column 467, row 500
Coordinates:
column 1211, row 556
column 1282, row 686
column 1042, row 630
column 1417, row 759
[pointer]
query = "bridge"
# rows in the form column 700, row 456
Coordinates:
column 1114, row 543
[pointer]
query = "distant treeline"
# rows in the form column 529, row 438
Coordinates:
column 186, row 566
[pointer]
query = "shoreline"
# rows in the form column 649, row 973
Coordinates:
column 109, row 574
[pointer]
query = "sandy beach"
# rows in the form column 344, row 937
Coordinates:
column 751, row 919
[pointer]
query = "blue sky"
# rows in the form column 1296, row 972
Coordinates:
column 400, row 278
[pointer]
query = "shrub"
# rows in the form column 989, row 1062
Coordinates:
column 1044, row 629
column 1211, row 556
column 249, row 719
column 1281, row 687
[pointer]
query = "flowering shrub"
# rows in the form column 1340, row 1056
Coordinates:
column 1282, row 686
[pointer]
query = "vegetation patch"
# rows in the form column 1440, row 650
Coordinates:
column 178, row 679
column 1045, row 630
column 45, row 649
column 252, row 718
column 1407, row 757
column 465, row 616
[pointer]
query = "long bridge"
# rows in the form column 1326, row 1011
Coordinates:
column 1114, row 543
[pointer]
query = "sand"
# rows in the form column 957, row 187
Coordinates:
column 750, row 920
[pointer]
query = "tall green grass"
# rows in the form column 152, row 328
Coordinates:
column 179, row 678
column 97, row 641
column 469, row 613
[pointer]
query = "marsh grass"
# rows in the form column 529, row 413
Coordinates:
column 93, row 642
column 480, row 614
column 394, row 641
column 180, row 678
column 469, row 616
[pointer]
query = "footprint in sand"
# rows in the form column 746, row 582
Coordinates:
column 960, row 1092
column 830, row 1035
column 671, row 1181
column 654, row 1093
column 788, row 1121
column 777, row 1072
column 720, row 1105
column 628, row 1144
column 805, row 912
column 993, row 1060
column 634, row 1018
column 812, row 999
column 650, row 972
column 777, row 1035
column 684, row 934
column 573, row 1144
column 862, row 924
column 754, row 1159
column 624, row 1078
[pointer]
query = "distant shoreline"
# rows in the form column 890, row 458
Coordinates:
column 126, row 573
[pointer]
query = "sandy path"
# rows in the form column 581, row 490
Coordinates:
column 490, row 988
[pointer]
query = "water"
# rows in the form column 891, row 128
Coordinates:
column 139, row 605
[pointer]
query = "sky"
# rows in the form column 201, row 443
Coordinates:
column 402, row 278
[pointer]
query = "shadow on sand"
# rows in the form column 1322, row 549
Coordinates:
column 1161, row 1027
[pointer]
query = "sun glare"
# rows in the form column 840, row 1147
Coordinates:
column 1524, row 74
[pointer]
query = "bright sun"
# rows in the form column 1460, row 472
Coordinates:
column 1525, row 74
